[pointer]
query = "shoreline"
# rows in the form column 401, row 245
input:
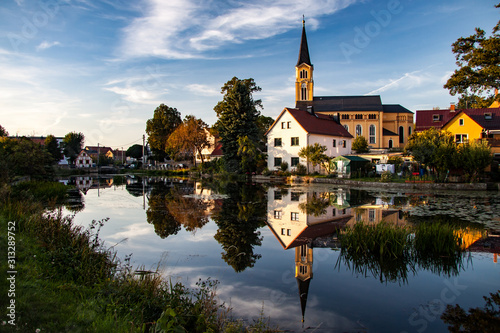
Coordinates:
column 384, row 185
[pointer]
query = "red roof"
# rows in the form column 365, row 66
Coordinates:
column 315, row 123
column 428, row 118
column 217, row 150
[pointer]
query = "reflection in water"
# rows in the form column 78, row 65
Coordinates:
column 376, row 236
column 238, row 219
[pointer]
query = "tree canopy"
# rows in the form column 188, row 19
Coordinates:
column 53, row 148
column 189, row 138
column 134, row 151
column 314, row 154
column 3, row 131
column 237, row 117
column 360, row 144
column 165, row 120
column 478, row 75
column 73, row 145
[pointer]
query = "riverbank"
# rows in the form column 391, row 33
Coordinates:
column 377, row 184
column 62, row 278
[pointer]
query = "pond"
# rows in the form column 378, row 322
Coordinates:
column 276, row 250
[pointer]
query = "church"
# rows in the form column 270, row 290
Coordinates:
column 385, row 126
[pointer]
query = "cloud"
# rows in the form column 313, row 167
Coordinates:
column 202, row 89
column 180, row 29
column 46, row 45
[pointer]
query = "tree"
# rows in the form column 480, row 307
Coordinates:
column 478, row 59
column 474, row 157
column 313, row 154
column 237, row 117
column 263, row 123
column 134, row 151
column 248, row 153
column 3, row 131
column 53, row 148
column 72, row 145
column 433, row 148
column 360, row 145
column 165, row 120
column 190, row 137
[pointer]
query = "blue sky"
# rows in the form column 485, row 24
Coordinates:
column 101, row 67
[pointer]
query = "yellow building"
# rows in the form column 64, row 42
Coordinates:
column 476, row 124
column 384, row 126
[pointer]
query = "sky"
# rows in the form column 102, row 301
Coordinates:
column 101, row 67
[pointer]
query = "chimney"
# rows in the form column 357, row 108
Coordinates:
column 452, row 106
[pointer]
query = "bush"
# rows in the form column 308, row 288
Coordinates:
column 284, row 166
column 360, row 145
column 300, row 169
column 386, row 176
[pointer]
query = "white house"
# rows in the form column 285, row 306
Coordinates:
column 83, row 160
column 295, row 129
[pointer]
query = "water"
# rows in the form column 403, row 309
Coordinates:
column 275, row 252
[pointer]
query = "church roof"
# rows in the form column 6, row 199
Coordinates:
column 342, row 103
column 318, row 124
column 304, row 50
column 395, row 108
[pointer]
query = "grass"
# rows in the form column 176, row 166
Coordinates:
column 391, row 252
column 68, row 282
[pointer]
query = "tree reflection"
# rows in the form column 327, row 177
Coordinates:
column 160, row 216
column 191, row 213
column 316, row 204
column 238, row 220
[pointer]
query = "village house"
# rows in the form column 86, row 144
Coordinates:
column 465, row 125
column 83, row 160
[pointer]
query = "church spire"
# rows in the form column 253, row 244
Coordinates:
column 304, row 50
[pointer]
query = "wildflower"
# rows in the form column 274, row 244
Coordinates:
column 4, row 323
column 38, row 330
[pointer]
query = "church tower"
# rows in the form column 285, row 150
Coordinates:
column 304, row 71
column 303, row 273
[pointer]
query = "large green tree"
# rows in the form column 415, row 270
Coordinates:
column 474, row 157
column 360, row 145
column 165, row 120
column 237, row 117
column 134, row 151
column 73, row 145
column 478, row 75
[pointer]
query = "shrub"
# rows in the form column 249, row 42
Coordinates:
column 300, row 169
column 284, row 166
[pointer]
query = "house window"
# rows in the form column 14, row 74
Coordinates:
column 295, row 141
column 372, row 116
column 345, row 116
column 461, row 138
column 294, row 216
column 282, row 125
column 358, row 116
column 344, row 143
column 288, row 124
column 295, row 161
column 372, row 134
column 288, row 232
column 277, row 214
column 283, row 231
column 371, row 215
column 346, row 127
column 461, row 122
column 401, row 134
column 488, row 116
column 409, row 131
column 277, row 142
column 277, row 161
column 278, row 195
column 359, row 130
column 334, row 143
column 436, row 117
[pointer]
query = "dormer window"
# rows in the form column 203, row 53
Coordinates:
column 488, row 116
column 436, row 117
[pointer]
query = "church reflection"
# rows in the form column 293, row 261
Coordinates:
column 302, row 220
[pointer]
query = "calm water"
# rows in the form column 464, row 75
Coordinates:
column 274, row 249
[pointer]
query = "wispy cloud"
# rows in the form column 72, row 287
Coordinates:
column 186, row 29
column 46, row 45
column 204, row 90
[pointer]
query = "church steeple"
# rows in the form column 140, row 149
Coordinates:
column 304, row 50
column 304, row 83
